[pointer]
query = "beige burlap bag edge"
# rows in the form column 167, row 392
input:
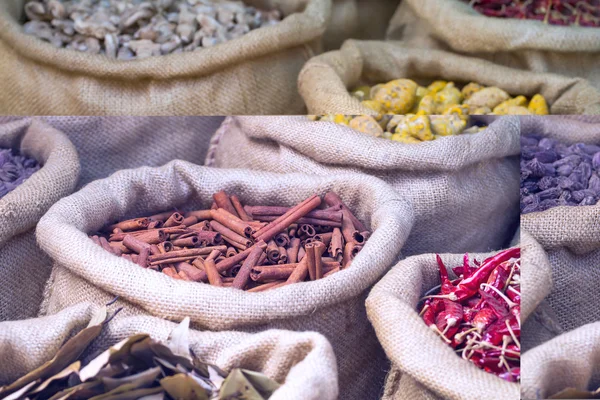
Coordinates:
column 415, row 349
column 543, row 225
column 63, row 225
column 473, row 32
column 536, row 275
column 570, row 360
column 302, row 361
column 367, row 152
column 21, row 209
column 325, row 80
column 299, row 28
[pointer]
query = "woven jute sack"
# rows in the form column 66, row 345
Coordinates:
column 334, row 307
column 303, row 363
column 254, row 74
column 358, row 19
column 459, row 186
column 523, row 44
column 567, row 252
column 422, row 365
column 325, row 80
column 108, row 144
column 24, row 268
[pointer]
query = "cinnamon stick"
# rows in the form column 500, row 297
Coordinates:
column 319, row 249
column 174, row 220
column 292, row 216
column 261, row 211
column 305, row 220
column 187, row 252
column 134, row 224
column 134, row 244
column 333, row 200
column 300, row 272
column 266, row 286
column 336, row 249
column 231, row 261
column 223, row 201
column 200, row 214
column 310, row 259
column 230, row 235
column 237, row 205
column 250, row 262
column 214, row 278
column 232, row 222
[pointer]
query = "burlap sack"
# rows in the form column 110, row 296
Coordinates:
column 108, row 144
column 459, row 186
column 521, row 44
column 566, row 254
column 254, row 74
column 325, row 80
column 24, row 268
column 423, row 366
column 303, row 362
column 358, row 19
column 334, row 307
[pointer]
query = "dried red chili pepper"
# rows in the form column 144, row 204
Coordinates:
column 478, row 314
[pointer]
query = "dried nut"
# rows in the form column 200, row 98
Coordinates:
column 538, row 105
column 436, row 86
column 469, row 89
column 397, row 96
column 373, row 105
column 502, row 108
column 417, row 126
column 366, row 124
column 448, row 96
column 37, row 12
column 518, row 110
column 489, row 97
column 447, row 125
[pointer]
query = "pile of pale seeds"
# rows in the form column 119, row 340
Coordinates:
column 130, row 29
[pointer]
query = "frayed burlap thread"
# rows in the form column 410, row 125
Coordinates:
column 459, row 186
column 334, row 306
column 326, row 79
column 24, row 268
column 432, row 369
column 523, row 44
column 303, row 362
column 253, row 74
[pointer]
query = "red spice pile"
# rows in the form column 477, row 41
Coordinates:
column 479, row 314
column 553, row 12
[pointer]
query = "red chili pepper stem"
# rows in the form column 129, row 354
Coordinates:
column 508, row 301
column 437, row 331
column 512, row 272
column 512, row 333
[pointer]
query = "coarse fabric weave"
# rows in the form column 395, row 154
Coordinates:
column 423, row 365
column 303, row 362
column 24, row 268
column 567, row 256
column 253, row 74
column 523, row 44
column 459, row 186
column 108, row 144
column 325, row 80
column 358, row 19
column 334, row 306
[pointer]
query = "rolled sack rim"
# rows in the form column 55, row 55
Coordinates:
column 297, row 29
column 58, row 227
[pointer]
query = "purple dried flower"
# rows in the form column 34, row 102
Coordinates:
column 14, row 170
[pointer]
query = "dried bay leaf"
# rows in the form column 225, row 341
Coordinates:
column 265, row 385
column 81, row 391
column 65, row 356
column 113, row 354
column 237, row 387
column 182, row 386
column 130, row 395
column 179, row 339
column 140, row 380
column 65, row 373
column 21, row 392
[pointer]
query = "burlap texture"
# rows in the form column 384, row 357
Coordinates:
column 571, row 360
column 459, row 186
column 522, row 44
column 108, row 144
column 334, row 307
column 254, row 74
column 24, row 268
column 432, row 367
column 303, row 362
column 325, row 80
column 358, row 19
column 562, row 336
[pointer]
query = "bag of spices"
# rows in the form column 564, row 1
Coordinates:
column 108, row 144
column 70, row 60
column 564, row 239
column 326, row 81
column 358, row 19
column 515, row 42
column 450, row 189
column 289, row 364
column 38, row 166
column 422, row 338
column 332, row 306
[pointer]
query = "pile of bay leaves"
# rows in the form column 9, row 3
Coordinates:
column 135, row 368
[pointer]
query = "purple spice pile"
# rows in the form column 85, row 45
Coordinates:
column 554, row 174
column 14, row 170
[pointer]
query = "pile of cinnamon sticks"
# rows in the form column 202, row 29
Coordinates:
column 254, row 248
